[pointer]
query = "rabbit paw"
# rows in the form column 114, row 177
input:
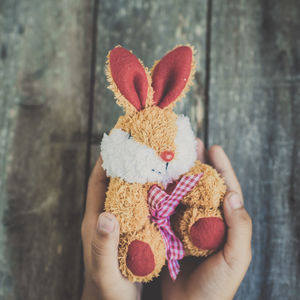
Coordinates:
column 141, row 254
column 202, row 231
column 209, row 191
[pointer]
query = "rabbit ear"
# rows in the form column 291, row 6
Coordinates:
column 129, row 80
column 172, row 76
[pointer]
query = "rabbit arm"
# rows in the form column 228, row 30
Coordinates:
column 210, row 190
column 128, row 202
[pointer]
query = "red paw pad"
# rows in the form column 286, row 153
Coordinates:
column 140, row 258
column 208, row 233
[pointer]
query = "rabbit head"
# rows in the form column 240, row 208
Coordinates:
column 150, row 143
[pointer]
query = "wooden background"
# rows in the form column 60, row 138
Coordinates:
column 54, row 108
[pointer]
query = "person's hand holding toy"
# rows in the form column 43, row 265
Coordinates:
column 218, row 277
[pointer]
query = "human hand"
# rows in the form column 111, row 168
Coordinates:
column 219, row 276
column 100, row 237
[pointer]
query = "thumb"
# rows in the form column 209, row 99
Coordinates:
column 237, row 249
column 105, row 246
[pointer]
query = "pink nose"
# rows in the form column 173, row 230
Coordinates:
column 167, row 155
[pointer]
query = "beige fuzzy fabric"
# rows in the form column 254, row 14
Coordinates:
column 157, row 128
column 151, row 235
column 183, row 220
column 210, row 190
column 128, row 202
column 153, row 127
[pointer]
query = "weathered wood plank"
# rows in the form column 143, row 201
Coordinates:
column 149, row 28
column 254, row 110
column 45, row 50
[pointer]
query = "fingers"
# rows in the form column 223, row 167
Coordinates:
column 96, row 190
column 104, row 248
column 220, row 275
column 237, row 250
column 201, row 151
column 94, row 205
column 222, row 164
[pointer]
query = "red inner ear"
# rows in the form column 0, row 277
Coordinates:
column 129, row 76
column 171, row 75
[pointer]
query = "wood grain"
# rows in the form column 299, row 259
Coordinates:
column 45, row 50
column 150, row 29
column 254, row 108
column 45, row 79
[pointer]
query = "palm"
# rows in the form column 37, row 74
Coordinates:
column 197, row 277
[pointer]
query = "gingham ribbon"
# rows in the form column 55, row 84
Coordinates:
column 162, row 206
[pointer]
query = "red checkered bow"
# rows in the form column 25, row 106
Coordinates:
column 162, row 206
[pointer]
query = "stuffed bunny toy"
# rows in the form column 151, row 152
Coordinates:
column 167, row 202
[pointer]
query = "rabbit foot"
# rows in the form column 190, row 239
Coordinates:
column 209, row 191
column 142, row 253
column 202, row 231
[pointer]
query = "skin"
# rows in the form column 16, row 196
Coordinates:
column 217, row 277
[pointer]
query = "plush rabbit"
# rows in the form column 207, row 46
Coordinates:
column 167, row 202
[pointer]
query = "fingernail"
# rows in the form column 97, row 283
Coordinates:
column 235, row 201
column 106, row 223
